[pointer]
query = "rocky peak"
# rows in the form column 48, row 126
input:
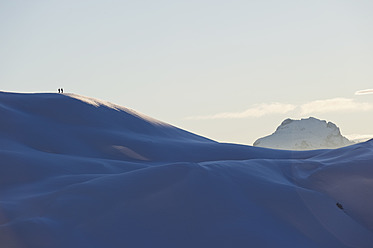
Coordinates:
column 305, row 134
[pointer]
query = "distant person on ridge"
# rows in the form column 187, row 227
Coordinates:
column 59, row 90
column 340, row 205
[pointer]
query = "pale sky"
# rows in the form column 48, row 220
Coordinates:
column 228, row 70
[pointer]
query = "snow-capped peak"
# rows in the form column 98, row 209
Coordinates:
column 304, row 134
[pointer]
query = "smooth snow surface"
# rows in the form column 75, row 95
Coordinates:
column 304, row 134
column 78, row 172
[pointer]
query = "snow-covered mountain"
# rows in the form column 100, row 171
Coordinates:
column 304, row 134
column 83, row 173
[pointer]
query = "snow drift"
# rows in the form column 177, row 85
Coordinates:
column 304, row 134
column 79, row 172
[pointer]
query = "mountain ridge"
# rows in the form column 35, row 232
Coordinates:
column 90, row 174
column 304, row 134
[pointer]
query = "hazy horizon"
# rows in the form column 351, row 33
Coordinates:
column 231, row 72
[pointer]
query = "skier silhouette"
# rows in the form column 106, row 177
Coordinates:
column 59, row 90
column 339, row 205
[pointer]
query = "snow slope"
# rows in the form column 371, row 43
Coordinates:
column 304, row 134
column 79, row 172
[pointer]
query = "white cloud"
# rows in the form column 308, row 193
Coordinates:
column 364, row 92
column 257, row 110
column 306, row 109
column 334, row 105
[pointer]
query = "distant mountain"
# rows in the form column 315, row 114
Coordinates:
column 79, row 172
column 304, row 134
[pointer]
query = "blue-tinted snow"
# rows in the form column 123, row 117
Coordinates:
column 79, row 172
